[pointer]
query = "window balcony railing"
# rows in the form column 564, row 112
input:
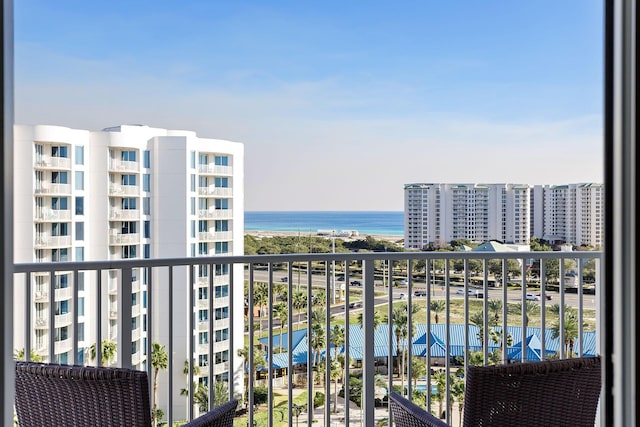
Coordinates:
column 123, row 166
column 212, row 169
column 436, row 312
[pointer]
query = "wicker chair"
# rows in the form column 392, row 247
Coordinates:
column 63, row 395
column 550, row 393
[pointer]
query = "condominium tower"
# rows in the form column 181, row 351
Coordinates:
column 435, row 214
column 127, row 192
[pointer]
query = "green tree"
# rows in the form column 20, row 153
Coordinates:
column 299, row 301
column 159, row 360
column 437, row 306
column 377, row 319
column 259, row 362
column 33, row 356
column 108, row 353
column 196, row 372
column 281, row 312
column 495, row 308
column 571, row 328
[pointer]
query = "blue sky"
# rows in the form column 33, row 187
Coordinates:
column 339, row 104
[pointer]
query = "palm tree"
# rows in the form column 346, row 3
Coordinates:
column 282, row 314
column 196, row 373
column 419, row 369
column 441, row 389
column 437, row 306
column 33, row 356
column 336, row 374
column 457, row 393
column 108, row 352
column 299, row 302
column 159, row 360
column 571, row 328
column 260, row 295
column 317, row 341
column 258, row 362
column 378, row 318
column 495, row 307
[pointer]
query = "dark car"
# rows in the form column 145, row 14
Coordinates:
column 356, row 283
column 420, row 293
column 356, row 304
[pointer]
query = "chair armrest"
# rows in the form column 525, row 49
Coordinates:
column 408, row 414
column 220, row 416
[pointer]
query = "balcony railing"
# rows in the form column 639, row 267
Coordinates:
column 432, row 306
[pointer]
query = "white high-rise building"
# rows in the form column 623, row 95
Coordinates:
column 436, row 214
column 127, row 192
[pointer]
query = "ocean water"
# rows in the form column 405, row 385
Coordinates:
column 387, row 223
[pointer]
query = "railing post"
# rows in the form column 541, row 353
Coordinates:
column 368, row 360
column 124, row 319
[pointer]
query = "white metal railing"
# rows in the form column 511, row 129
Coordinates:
column 123, row 166
column 461, row 288
column 46, row 214
column 117, row 214
column 44, row 187
column 49, row 162
column 211, row 169
column 124, row 239
column 124, row 190
column 215, row 214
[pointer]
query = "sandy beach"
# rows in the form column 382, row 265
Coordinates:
column 360, row 236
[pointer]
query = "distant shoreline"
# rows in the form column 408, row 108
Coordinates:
column 361, row 236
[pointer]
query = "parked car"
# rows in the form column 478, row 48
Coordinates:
column 356, row 283
column 355, row 304
column 532, row 297
column 420, row 293
column 340, row 277
column 460, row 292
column 284, row 279
column 478, row 294
column 403, row 282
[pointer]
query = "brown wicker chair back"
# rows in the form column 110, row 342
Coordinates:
column 61, row 395
column 550, row 393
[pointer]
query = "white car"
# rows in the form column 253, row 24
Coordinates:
column 402, row 296
column 532, row 297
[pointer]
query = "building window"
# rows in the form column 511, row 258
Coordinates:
column 129, row 203
column 193, row 229
column 203, row 338
column 146, row 206
column 129, row 251
column 146, row 182
column 79, row 180
column 193, row 206
column 80, row 205
column 203, row 248
column 222, row 313
column 222, row 225
column 79, row 160
column 59, row 203
column 203, row 360
column 222, row 204
column 222, row 182
column 147, row 250
column 222, row 161
column 203, row 226
column 203, row 315
column 147, row 229
column 128, row 179
column 193, row 182
column 80, row 253
column 203, row 159
column 146, row 159
column 59, row 151
column 222, row 335
column 128, row 156
column 59, row 177
column 222, row 291
column 60, row 229
column 193, row 159
column 203, row 293
column 222, row 247
column 222, row 356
